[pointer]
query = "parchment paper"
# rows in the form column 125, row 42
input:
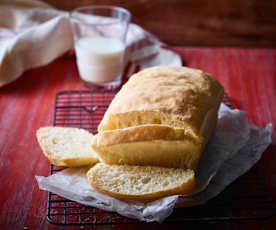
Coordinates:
column 235, row 147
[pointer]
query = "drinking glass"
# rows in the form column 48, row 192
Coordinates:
column 100, row 42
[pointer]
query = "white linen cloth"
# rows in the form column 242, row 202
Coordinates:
column 33, row 34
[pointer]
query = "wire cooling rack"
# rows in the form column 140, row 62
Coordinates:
column 245, row 199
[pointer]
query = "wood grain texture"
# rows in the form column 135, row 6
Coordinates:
column 248, row 75
column 201, row 22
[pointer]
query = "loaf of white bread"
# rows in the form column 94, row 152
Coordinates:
column 163, row 116
column 150, row 139
column 65, row 146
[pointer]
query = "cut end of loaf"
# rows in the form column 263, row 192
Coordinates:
column 140, row 182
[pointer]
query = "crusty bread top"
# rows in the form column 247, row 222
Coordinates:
column 140, row 182
column 181, row 95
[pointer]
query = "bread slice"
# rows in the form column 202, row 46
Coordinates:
column 153, row 145
column 65, row 146
column 140, row 182
column 153, row 101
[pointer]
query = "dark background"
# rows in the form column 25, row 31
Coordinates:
column 243, row 23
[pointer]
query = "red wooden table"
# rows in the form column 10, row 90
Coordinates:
column 248, row 76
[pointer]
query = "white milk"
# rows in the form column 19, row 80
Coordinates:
column 99, row 59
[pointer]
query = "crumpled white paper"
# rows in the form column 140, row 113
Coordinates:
column 235, row 147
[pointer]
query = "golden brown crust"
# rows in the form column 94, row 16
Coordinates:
column 186, row 93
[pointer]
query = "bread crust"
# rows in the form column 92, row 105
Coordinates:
column 184, row 94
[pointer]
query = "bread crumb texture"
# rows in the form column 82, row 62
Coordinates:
column 140, row 182
column 65, row 146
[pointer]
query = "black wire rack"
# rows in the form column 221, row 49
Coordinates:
column 245, row 199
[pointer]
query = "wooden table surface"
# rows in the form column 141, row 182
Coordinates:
column 248, row 76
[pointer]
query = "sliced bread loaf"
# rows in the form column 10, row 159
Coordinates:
column 140, row 182
column 65, row 146
column 155, row 101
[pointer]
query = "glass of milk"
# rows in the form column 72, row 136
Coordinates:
column 100, row 41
